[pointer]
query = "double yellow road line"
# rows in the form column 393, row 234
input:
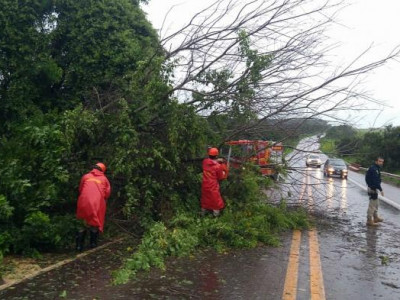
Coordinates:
column 317, row 290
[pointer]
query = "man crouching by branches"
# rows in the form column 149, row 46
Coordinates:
column 214, row 170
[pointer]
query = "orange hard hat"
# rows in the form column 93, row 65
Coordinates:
column 102, row 166
column 213, row 152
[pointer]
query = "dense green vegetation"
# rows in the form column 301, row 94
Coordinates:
column 246, row 222
column 87, row 81
column 78, row 85
column 362, row 147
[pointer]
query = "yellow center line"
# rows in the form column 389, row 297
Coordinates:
column 317, row 289
column 290, row 288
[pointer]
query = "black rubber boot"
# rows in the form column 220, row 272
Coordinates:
column 80, row 240
column 93, row 239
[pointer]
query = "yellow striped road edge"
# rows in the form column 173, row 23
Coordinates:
column 290, row 288
column 317, row 290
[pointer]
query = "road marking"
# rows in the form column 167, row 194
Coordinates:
column 317, row 289
column 290, row 288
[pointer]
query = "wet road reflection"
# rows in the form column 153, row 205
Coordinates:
column 329, row 194
column 316, row 193
column 343, row 198
column 372, row 238
column 209, row 282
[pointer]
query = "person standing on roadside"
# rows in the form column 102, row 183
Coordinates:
column 373, row 180
column 214, row 170
column 94, row 190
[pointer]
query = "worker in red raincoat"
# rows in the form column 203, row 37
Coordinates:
column 94, row 190
column 214, row 170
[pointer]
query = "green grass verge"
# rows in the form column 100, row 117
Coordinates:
column 327, row 146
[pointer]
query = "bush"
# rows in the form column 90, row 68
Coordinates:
column 40, row 231
column 248, row 221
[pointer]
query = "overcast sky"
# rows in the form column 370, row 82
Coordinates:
column 362, row 23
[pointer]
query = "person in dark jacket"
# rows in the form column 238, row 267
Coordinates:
column 373, row 180
column 214, row 170
column 94, row 190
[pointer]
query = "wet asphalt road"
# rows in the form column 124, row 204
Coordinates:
column 356, row 262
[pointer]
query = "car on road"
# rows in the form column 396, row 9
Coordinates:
column 335, row 167
column 313, row 160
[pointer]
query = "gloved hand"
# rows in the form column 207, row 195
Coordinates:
column 221, row 160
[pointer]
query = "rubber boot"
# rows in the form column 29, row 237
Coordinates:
column 377, row 219
column 93, row 239
column 216, row 213
column 80, row 240
column 370, row 222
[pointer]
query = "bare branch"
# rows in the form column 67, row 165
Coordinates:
column 266, row 58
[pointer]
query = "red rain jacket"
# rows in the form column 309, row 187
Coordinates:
column 213, row 172
column 94, row 190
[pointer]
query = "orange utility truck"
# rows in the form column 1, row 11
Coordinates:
column 265, row 154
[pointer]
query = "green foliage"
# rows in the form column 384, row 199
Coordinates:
column 101, row 44
column 26, row 66
column 31, row 171
column 5, row 242
column 6, row 210
column 246, row 222
column 328, row 146
column 363, row 147
column 82, row 82
column 347, row 145
column 47, row 234
column 255, row 62
column 235, row 91
column 340, row 131
column 244, row 186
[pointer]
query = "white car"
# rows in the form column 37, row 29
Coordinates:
column 313, row 160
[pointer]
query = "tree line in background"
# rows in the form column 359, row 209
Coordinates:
column 88, row 81
column 363, row 146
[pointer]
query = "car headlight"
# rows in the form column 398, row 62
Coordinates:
column 344, row 171
column 331, row 169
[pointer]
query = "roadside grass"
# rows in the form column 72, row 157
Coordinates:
column 391, row 180
column 327, row 146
